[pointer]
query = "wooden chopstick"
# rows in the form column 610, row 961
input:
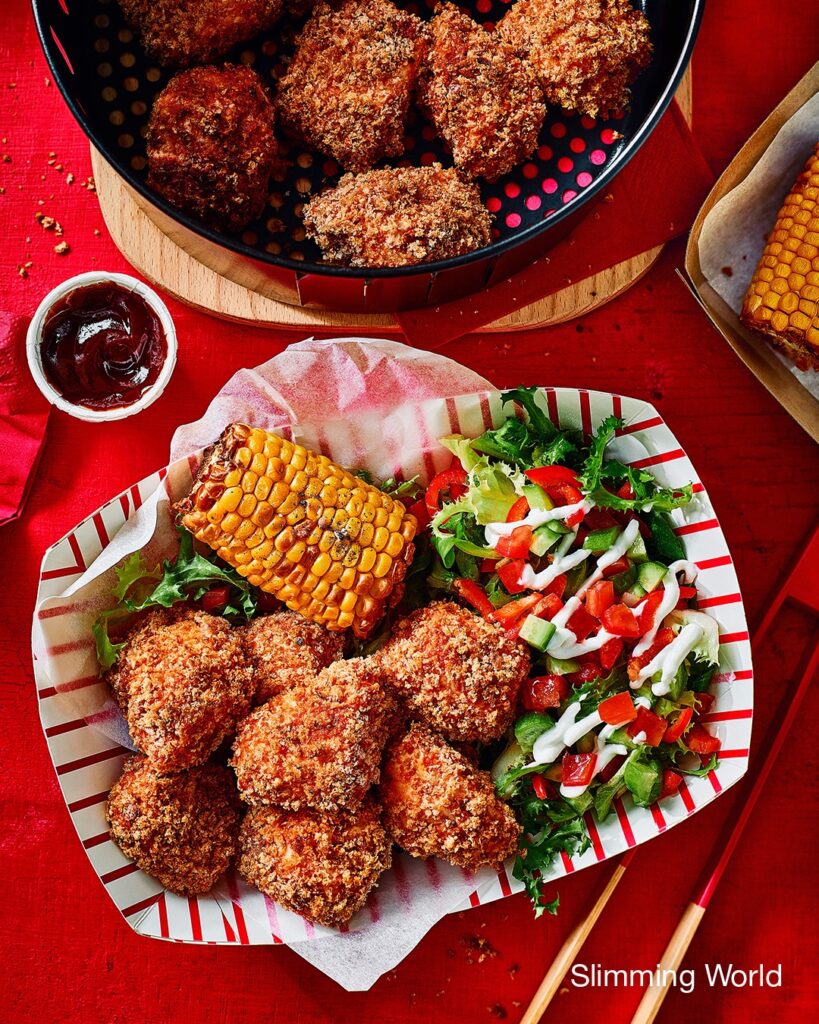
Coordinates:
column 567, row 953
column 686, row 929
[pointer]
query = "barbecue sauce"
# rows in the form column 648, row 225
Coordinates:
column 102, row 346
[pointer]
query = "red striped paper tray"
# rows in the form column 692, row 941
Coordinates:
column 87, row 744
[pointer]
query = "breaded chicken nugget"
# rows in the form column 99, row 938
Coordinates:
column 211, row 147
column 317, row 744
column 586, row 52
column 348, row 87
column 286, row 649
column 398, row 217
column 181, row 829
column 183, row 682
column 184, row 32
column 436, row 804
column 320, row 865
column 455, row 671
column 483, row 100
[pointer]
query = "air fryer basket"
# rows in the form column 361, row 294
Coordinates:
column 110, row 84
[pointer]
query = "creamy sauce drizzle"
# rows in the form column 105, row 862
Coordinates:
column 534, row 518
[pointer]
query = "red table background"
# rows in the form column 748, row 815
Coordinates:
column 68, row 956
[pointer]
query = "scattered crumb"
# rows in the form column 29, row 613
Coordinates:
column 62, row 248
column 22, row 272
column 6, row 158
column 97, row 232
column 69, row 178
column 498, row 1011
column 513, row 970
column 728, row 271
column 478, row 949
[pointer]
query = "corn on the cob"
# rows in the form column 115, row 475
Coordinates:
column 294, row 524
column 782, row 301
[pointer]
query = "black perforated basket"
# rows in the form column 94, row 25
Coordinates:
column 109, row 84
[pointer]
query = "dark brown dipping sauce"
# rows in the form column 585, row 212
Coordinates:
column 103, row 346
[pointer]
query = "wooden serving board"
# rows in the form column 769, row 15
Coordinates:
column 164, row 262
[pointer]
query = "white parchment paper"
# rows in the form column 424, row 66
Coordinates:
column 734, row 232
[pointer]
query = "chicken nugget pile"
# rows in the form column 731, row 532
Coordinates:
column 361, row 76
column 340, row 758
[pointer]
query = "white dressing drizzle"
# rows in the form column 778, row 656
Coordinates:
column 669, row 659
column 534, row 518
column 540, row 580
column 671, row 595
column 565, row 733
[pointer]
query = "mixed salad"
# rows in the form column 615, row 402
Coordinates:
column 571, row 550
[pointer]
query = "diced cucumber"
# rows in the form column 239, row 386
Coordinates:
column 574, row 577
column 644, row 781
column 538, row 499
column 559, row 526
column 537, row 632
column 601, row 540
column 561, row 668
column 650, row 575
column 543, row 538
column 637, row 552
column 530, row 726
column 623, row 580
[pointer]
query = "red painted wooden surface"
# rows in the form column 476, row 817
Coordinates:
column 67, row 956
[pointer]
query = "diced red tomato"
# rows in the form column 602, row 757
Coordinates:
column 451, row 480
column 589, row 669
column 487, row 564
column 578, row 769
column 582, row 624
column 611, row 768
column 621, row 621
column 652, row 725
column 704, row 701
column 621, row 565
column 540, row 788
column 421, row 512
column 609, row 653
column 701, row 741
column 662, row 639
column 678, row 726
column 216, row 597
column 557, row 586
column 688, row 593
column 671, row 783
column 618, row 709
column 626, row 491
column 563, row 493
column 599, row 519
column 511, row 614
column 576, row 518
column 516, row 545
column 652, row 603
column 544, row 692
column 547, row 607
column 518, row 511
column 599, row 597
column 543, row 475
column 474, row 595
column 509, row 575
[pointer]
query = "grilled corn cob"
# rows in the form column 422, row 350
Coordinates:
column 782, row 301
column 294, row 524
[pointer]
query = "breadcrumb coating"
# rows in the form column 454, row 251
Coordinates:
column 586, row 52
column 347, row 90
column 286, row 649
column 186, row 32
column 180, row 829
column 322, row 866
column 437, row 804
column 398, row 217
column 317, row 744
column 211, row 147
column 483, row 100
column 183, row 682
column 455, row 671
